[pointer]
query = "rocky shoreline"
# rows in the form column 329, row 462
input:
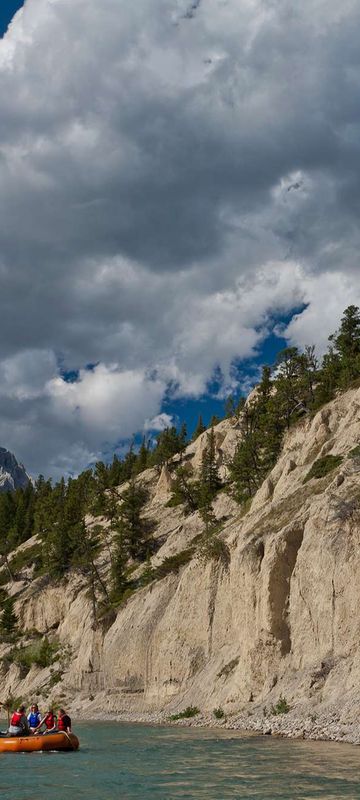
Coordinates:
column 323, row 726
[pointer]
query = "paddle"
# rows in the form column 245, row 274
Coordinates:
column 66, row 734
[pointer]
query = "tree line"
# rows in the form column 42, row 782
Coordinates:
column 297, row 384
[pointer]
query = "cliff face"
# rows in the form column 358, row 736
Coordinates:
column 281, row 617
column 12, row 474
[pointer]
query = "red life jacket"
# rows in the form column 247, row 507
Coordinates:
column 61, row 723
column 17, row 719
column 49, row 720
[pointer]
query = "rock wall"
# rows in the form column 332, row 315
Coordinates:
column 280, row 618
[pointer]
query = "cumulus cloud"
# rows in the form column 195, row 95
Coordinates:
column 159, row 423
column 172, row 175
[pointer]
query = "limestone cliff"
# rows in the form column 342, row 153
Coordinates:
column 281, row 617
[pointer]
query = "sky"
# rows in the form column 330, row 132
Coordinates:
column 179, row 198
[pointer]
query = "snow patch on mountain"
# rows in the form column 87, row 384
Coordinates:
column 12, row 474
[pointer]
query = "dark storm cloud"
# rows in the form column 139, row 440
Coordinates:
column 146, row 155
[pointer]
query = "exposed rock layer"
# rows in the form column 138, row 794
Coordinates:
column 281, row 618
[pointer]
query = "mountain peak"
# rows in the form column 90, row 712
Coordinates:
column 12, row 474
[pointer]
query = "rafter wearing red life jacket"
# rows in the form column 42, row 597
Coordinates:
column 49, row 720
column 64, row 722
column 17, row 719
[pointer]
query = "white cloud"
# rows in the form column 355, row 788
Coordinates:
column 106, row 401
column 327, row 296
column 159, row 423
column 169, row 179
column 23, row 375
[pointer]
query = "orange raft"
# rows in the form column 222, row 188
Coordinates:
column 31, row 744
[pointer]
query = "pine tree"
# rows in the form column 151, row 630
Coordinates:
column 143, row 456
column 8, row 618
column 119, row 560
column 84, row 559
column 268, row 426
column 182, row 438
column 129, row 464
column 116, row 472
column 169, row 443
column 53, row 525
column 133, row 526
column 329, row 378
column 288, row 385
column 246, row 468
column 200, row 428
column 185, row 490
column 260, row 442
column 43, row 516
column 230, row 407
column 7, row 512
column 102, row 483
column 209, row 483
column 347, row 345
column 309, row 375
column 58, row 543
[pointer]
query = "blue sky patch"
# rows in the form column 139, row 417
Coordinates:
column 7, row 10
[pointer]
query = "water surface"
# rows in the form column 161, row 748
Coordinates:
column 134, row 762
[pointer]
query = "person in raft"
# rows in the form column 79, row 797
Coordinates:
column 64, row 721
column 19, row 725
column 34, row 717
column 50, row 722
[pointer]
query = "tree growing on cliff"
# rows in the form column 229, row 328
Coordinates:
column 119, row 581
column 184, row 490
column 346, row 343
column 134, row 528
column 200, row 428
column 169, row 443
column 7, row 512
column 143, row 456
column 88, row 546
column 209, row 482
column 245, row 468
column 8, row 618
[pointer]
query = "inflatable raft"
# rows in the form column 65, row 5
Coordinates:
column 37, row 743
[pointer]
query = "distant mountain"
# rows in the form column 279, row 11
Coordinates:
column 12, row 474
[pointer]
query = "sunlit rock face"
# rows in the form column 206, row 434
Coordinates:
column 275, row 616
column 12, row 474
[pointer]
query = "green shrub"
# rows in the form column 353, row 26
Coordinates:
column 219, row 713
column 281, row 707
column 25, row 558
column 188, row 713
column 355, row 453
column 173, row 563
column 174, row 501
column 55, row 678
column 214, row 549
column 41, row 652
column 323, row 466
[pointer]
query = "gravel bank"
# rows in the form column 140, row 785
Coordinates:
column 326, row 726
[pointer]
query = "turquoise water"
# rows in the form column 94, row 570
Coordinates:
column 130, row 762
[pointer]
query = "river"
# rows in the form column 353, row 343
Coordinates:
column 136, row 762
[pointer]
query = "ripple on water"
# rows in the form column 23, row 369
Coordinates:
column 134, row 761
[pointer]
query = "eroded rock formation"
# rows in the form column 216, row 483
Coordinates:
column 281, row 617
